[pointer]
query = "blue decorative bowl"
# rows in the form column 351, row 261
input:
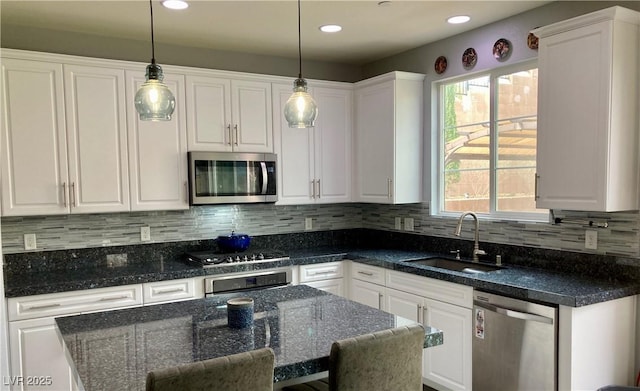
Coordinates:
column 234, row 242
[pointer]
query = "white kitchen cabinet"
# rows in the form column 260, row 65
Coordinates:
column 172, row 290
column 36, row 349
column 158, row 151
column 388, row 138
column 445, row 306
column 64, row 138
column 228, row 115
column 367, row 285
column 587, row 157
column 328, row 277
column 315, row 163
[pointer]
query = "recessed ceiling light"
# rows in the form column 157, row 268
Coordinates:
column 458, row 19
column 330, row 28
column 175, row 4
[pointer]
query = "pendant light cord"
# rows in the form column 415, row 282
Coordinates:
column 153, row 49
column 299, row 44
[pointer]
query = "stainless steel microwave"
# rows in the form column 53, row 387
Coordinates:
column 229, row 178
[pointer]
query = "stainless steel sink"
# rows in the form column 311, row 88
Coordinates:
column 455, row 265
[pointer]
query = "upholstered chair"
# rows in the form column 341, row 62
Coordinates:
column 248, row 371
column 389, row 360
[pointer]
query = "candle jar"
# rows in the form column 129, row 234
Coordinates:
column 240, row 312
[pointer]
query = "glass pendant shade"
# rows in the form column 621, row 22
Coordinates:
column 154, row 100
column 301, row 110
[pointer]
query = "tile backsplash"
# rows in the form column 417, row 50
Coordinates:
column 621, row 238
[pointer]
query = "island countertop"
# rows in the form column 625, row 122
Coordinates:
column 116, row 349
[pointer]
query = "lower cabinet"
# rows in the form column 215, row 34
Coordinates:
column 440, row 304
column 328, row 277
column 38, row 359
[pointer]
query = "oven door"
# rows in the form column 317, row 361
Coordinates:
column 238, row 282
column 219, row 177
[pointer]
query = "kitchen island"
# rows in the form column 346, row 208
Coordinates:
column 116, row 349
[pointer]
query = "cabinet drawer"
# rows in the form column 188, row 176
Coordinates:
column 445, row 291
column 172, row 290
column 55, row 304
column 368, row 273
column 334, row 286
column 322, row 271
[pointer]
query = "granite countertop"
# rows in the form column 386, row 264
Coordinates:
column 550, row 287
column 298, row 322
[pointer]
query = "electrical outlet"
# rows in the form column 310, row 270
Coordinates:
column 308, row 223
column 408, row 223
column 145, row 234
column 398, row 223
column 591, row 239
column 30, row 241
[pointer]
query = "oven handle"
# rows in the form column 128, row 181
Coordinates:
column 265, row 177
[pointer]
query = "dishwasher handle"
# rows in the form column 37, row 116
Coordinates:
column 513, row 313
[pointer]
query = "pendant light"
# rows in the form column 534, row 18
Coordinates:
column 154, row 101
column 301, row 110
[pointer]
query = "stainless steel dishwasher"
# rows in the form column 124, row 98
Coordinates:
column 514, row 344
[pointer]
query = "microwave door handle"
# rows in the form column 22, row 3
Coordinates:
column 265, row 177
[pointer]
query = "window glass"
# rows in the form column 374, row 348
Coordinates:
column 488, row 129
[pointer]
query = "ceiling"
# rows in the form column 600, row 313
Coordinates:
column 370, row 31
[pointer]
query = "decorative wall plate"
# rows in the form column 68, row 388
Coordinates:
column 441, row 65
column 532, row 41
column 501, row 49
column 469, row 58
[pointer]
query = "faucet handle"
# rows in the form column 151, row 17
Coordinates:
column 457, row 252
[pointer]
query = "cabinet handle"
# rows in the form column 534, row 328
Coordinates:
column 313, row 189
column 368, row 274
column 536, row 186
column 43, row 306
column 380, row 296
column 73, row 194
column 235, row 127
column 424, row 315
column 64, row 194
column 113, row 298
column 230, row 136
column 419, row 313
column 389, row 186
column 173, row 290
column 318, row 182
column 322, row 273
column 186, row 191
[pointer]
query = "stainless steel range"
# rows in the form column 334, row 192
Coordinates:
column 246, row 280
column 214, row 259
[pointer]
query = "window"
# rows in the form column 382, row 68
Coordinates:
column 487, row 144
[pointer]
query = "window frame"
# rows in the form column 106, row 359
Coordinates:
column 437, row 150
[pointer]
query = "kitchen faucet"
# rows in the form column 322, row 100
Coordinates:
column 476, row 245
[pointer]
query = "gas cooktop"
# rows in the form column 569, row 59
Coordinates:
column 212, row 258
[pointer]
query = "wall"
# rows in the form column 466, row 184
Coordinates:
column 622, row 238
column 54, row 41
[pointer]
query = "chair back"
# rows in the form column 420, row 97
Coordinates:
column 389, row 360
column 248, row 371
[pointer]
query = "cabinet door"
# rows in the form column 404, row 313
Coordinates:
column 97, row 139
column 449, row 364
column 34, row 149
column 294, row 148
column 252, row 129
column 332, row 139
column 367, row 293
column 404, row 304
column 375, row 142
column 209, row 114
column 37, row 353
column 158, row 152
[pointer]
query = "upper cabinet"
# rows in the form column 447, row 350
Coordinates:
column 315, row 163
column 228, row 115
column 64, row 143
column 158, row 151
column 388, row 138
column 587, row 157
